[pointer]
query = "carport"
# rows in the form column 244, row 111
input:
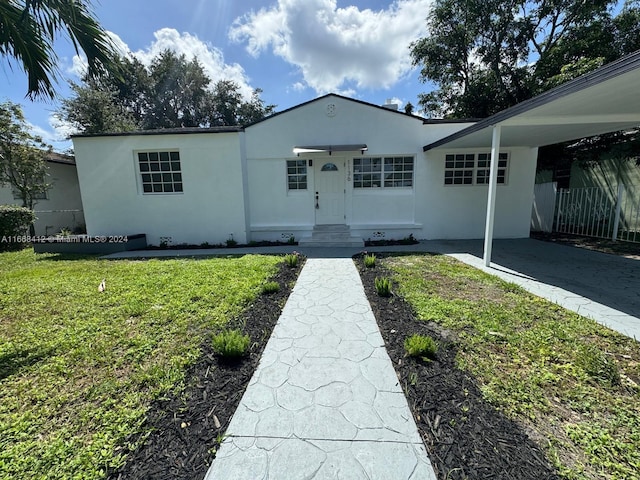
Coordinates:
column 605, row 100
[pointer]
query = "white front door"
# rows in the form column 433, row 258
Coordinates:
column 329, row 190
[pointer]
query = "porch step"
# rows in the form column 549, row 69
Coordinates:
column 331, row 236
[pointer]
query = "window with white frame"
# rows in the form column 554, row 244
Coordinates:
column 484, row 164
column 459, row 169
column 160, row 172
column 398, row 171
column 297, row 174
column 382, row 172
column 473, row 169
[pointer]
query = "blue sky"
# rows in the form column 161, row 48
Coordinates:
column 295, row 50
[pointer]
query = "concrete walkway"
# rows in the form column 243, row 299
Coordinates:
column 324, row 402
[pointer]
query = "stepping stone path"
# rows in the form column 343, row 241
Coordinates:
column 325, row 401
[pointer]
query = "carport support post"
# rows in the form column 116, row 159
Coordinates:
column 491, row 200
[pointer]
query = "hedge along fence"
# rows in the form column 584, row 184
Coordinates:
column 14, row 226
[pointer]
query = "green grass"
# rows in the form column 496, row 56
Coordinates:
column 383, row 286
column 291, row 260
column 421, row 346
column 231, row 344
column 270, row 287
column 565, row 377
column 370, row 260
column 79, row 367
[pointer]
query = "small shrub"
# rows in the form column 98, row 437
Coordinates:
column 410, row 240
column 421, row 346
column 231, row 242
column 270, row 287
column 291, row 260
column 383, row 286
column 291, row 240
column 598, row 366
column 14, row 226
column 231, row 344
column 370, row 260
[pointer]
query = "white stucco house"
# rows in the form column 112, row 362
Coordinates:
column 60, row 208
column 331, row 161
column 339, row 169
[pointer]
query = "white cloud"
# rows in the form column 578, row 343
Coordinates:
column 298, row 86
column 121, row 47
column 63, row 129
column 78, row 66
column 56, row 134
column 334, row 46
column 47, row 136
column 211, row 58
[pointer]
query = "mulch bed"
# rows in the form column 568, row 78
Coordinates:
column 228, row 244
column 466, row 437
column 186, row 429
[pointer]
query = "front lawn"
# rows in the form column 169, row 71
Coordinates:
column 571, row 383
column 80, row 367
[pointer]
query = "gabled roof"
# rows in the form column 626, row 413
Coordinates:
column 238, row 128
column 605, row 100
column 55, row 157
column 360, row 102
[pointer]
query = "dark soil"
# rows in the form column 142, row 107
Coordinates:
column 410, row 240
column 186, row 429
column 228, row 244
column 466, row 437
column 619, row 247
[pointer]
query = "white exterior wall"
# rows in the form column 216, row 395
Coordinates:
column 62, row 209
column 236, row 183
column 276, row 213
column 459, row 211
column 210, row 209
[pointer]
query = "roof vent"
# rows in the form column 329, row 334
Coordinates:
column 390, row 105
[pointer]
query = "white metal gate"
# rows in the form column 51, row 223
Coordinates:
column 599, row 212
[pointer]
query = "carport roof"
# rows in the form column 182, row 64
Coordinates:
column 605, row 100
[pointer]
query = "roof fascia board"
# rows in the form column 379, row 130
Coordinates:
column 162, row 131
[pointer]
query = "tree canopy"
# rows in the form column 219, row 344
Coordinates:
column 22, row 156
column 28, row 29
column 487, row 55
column 172, row 92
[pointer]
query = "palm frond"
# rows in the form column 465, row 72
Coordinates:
column 28, row 29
